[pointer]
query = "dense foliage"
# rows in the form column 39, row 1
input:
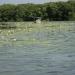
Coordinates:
column 54, row 11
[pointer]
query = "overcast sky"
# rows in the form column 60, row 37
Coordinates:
column 26, row 1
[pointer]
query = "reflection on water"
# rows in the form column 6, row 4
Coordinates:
column 42, row 51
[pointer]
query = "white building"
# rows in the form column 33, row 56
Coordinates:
column 38, row 20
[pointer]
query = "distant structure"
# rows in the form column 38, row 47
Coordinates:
column 38, row 20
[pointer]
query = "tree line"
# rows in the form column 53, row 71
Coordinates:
column 53, row 11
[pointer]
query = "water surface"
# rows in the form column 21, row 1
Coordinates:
column 45, row 49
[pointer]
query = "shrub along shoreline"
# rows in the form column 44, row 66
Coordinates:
column 53, row 11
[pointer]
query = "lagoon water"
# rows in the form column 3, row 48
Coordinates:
column 48, row 49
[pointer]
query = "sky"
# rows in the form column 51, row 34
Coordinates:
column 27, row 1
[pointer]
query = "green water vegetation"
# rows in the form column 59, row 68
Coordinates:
column 28, row 28
column 53, row 11
column 7, row 25
column 28, row 33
